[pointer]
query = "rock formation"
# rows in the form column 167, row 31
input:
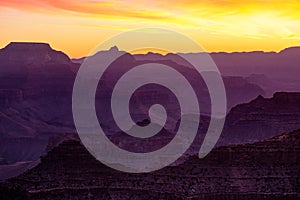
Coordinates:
column 262, row 118
column 262, row 170
column 36, row 85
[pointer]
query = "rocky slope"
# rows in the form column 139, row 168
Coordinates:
column 35, row 99
column 262, row 170
column 36, row 84
column 281, row 69
column 262, row 118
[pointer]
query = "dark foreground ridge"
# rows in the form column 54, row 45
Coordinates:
column 262, row 170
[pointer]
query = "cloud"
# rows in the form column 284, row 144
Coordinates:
column 109, row 9
column 217, row 21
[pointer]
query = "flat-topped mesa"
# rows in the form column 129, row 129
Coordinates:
column 32, row 54
column 28, row 46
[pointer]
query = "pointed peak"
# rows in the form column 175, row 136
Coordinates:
column 114, row 48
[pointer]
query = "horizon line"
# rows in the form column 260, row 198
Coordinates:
column 147, row 52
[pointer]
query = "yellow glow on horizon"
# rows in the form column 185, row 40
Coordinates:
column 77, row 27
column 152, row 50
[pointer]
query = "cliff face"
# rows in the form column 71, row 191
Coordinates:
column 35, row 80
column 284, row 64
column 32, row 54
column 36, row 85
column 281, row 69
column 263, row 170
column 31, row 65
column 35, row 99
column 25, row 130
column 262, row 118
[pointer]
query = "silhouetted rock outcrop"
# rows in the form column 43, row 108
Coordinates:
column 36, row 85
column 35, row 99
column 262, row 118
column 263, row 170
column 32, row 54
column 291, row 51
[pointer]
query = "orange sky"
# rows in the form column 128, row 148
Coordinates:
column 78, row 26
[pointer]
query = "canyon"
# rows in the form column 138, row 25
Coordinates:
column 36, row 102
column 263, row 170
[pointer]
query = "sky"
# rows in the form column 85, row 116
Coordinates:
column 79, row 26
